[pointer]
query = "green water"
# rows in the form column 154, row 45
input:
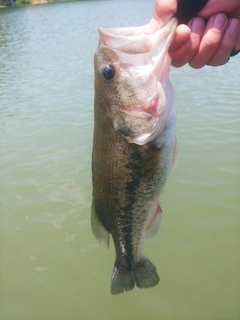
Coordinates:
column 51, row 267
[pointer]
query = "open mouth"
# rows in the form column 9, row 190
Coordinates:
column 129, row 42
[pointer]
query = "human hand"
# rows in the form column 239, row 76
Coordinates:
column 208, row 38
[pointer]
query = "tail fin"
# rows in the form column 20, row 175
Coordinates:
column 143, row 274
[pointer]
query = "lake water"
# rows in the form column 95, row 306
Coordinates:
column 51, row 267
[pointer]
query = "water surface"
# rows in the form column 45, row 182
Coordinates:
column 51, row 267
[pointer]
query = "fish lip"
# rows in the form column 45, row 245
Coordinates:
column 149, row 41
column 124, row 34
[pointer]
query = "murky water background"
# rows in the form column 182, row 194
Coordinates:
column 51, row 267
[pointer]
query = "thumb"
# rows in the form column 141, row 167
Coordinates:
column 165, row 9
column 163, row 12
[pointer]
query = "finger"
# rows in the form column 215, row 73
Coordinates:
column 182, row 34
column 163, row 12
column 210, row 41
column 165, row 8
column 214, row 6
column 237, row 43
column 185, row 52
column 227, row 43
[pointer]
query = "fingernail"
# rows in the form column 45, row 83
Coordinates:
column 220, row 21
column 233, row 26
column 197, row 25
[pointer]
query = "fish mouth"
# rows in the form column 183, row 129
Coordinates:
column 134, row 45
column 138, row 47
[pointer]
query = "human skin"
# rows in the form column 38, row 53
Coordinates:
column 207, row 38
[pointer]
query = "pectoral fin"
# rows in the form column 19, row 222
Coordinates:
column 174, row 155
column 100, row 233
column 154, row 226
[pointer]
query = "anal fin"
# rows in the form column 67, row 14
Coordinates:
column 100, row 233
column 154, row 226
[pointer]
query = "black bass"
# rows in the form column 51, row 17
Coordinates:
column 134, row 145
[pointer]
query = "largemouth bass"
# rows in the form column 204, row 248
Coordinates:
column 134, row 145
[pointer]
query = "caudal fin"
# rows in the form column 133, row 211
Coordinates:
column 143, row 274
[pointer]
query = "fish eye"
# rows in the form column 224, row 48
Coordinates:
column 108, row 72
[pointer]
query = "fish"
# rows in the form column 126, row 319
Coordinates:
column 134, row 141
column 134, row 145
